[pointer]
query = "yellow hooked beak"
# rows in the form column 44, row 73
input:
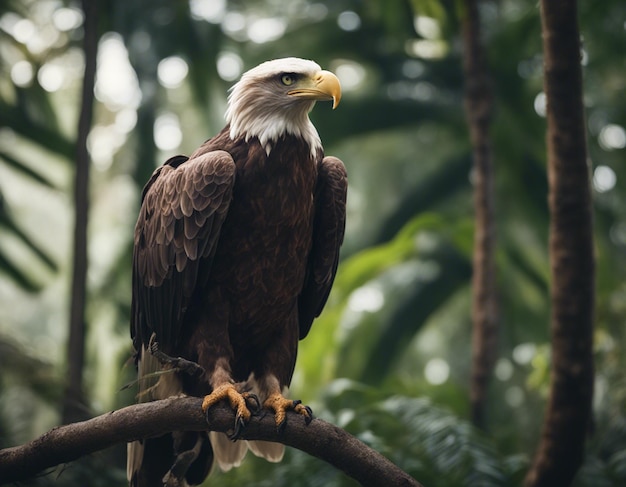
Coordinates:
column 324, row 86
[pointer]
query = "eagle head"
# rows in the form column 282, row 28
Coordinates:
column 275, row 98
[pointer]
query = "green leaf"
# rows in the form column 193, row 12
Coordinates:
column 25, row 170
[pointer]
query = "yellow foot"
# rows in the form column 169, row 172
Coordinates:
column 280, row 405
column 237, row 402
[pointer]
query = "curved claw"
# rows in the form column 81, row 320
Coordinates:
column 239, row 426
column 308, row 417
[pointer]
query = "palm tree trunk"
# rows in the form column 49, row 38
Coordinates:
column 568, row 414
column 74, row 401
column 478, row 108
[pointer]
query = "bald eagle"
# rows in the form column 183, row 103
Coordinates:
column 235, row 251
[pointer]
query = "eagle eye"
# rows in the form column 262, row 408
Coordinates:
column 288, row 79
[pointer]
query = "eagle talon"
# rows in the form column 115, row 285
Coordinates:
column 281, row 405
column 237, row 401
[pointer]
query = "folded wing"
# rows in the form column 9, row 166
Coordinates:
column 183, row 207
column 328, row 232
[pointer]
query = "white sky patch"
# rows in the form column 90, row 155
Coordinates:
column 8, row 21
column 540, row 104
column 116, row 81
column 524, row 353
column 51, row 77
column 210, row 10
column 172, row 71
column 367, row 298
column 23, row 30
column 350, row 74
column 316, row 11
column 125, row 120
column 36, row 37
column 45, row 38
column 437, row 371
column 427, row 48
column 167, row 132
column 265, row 30
column 234, row 25
column 504, row 369
column 103, row 142
column 66, row 19
column 612, row 136
column 427, row 27
column 348, row 21
column 229, row 66
column 22, row 73
column 604, row 179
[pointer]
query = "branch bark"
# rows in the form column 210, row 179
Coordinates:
column 320, row 439
column 568, row 416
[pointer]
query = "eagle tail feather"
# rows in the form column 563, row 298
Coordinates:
column 227, row 453
column 134, row 459
column 272, row 452
column 151, row 387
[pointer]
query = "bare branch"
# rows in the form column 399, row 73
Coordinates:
column 319, row 438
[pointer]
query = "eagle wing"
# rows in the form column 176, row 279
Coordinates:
column 183, row 207
column 328, row 231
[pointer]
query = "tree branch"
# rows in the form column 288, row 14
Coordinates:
column 320, row 439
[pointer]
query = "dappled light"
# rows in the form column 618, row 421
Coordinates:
column 348, row 20
column 260, row 31
column 436, row 371
column 540, row 104
column 172, row 71
column 67, row 19
column 167, row 133
column 116, row 81
column 604, row 179
column 213, row 11
column 612, row 137
column 22, row 73
column 229, row 66
column 367, row 298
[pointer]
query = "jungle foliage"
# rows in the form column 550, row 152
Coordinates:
column 389, row 359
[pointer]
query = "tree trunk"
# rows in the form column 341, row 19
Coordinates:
column 478, row 109
column 74, row 401
column 568, row 414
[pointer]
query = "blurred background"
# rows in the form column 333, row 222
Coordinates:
column 389, row 359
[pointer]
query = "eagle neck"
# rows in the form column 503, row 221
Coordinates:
column 270, row 127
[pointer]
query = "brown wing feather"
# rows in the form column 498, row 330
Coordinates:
column 183, row 207
column 328, row 231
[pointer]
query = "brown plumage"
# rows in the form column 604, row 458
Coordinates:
column 236, row 249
